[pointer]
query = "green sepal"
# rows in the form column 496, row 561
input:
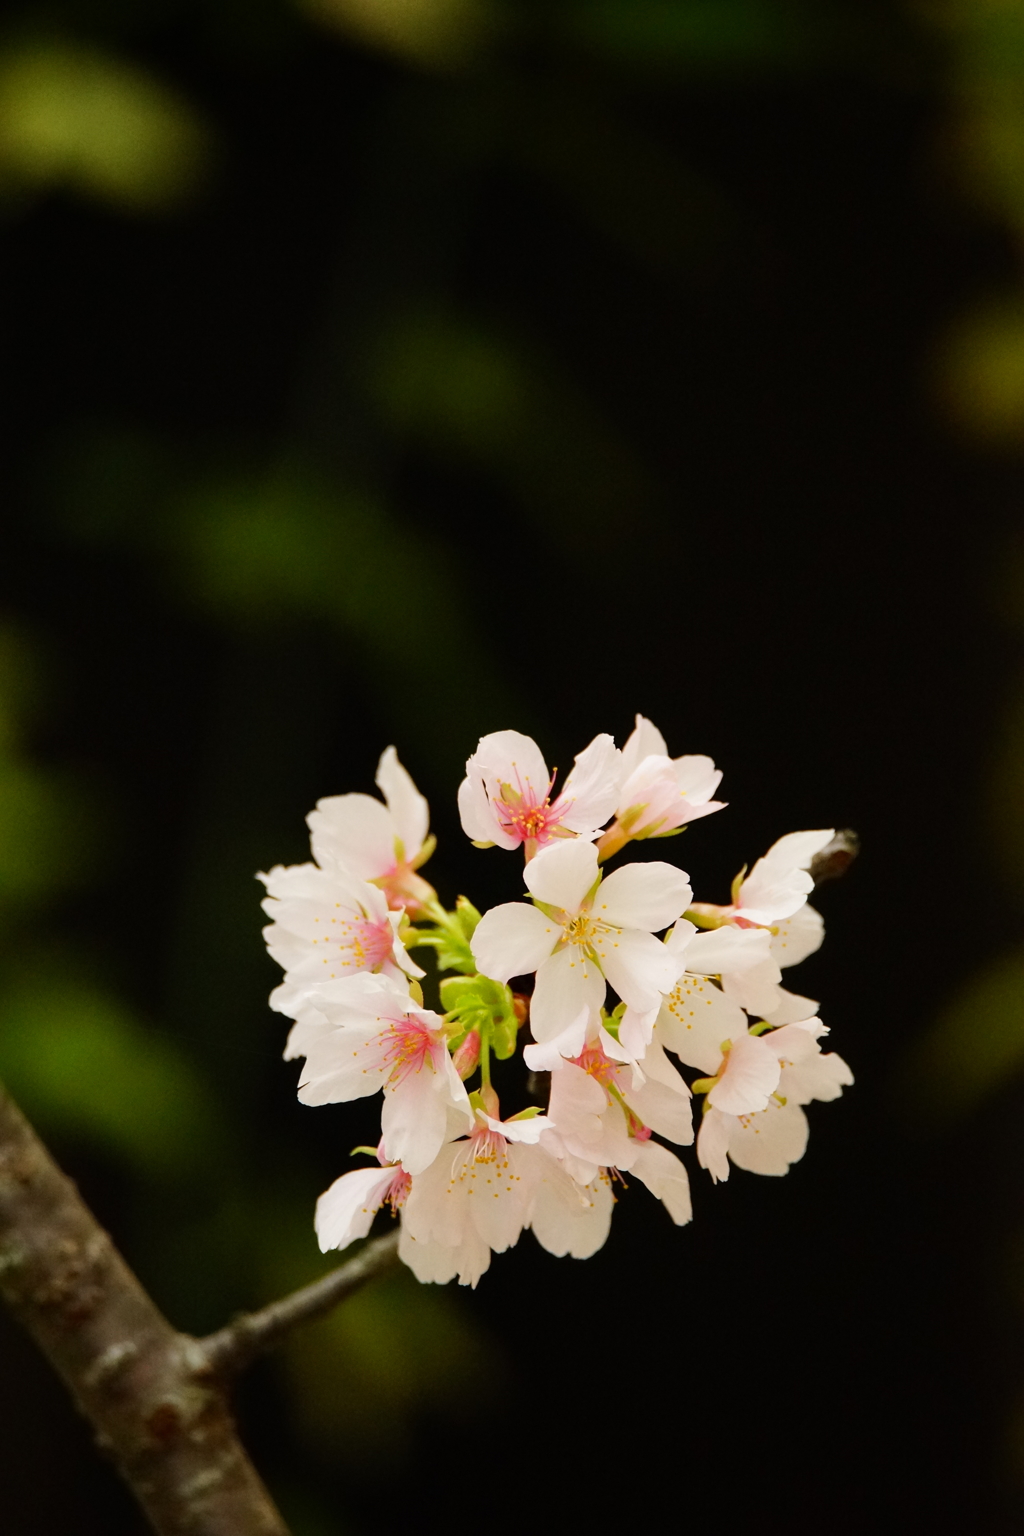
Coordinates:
column 735, row 893
column 760, row 1029
column 528, row 1114
column 703, row 1084
column 467, row 916
column 478, row 1002
column 613, row 1020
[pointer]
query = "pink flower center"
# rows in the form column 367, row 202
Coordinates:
column 528, row 819
column 594, row 1061
column 398, row 1191
column 408, row 1046
column 368, row 943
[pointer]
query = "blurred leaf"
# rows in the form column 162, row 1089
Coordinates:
column 702, row 34
column 442, row 33
column 80, row 1064
column 982, row 370
column 71, row 116
column 392, row 1351
column 468, row 393
column 976, row 1046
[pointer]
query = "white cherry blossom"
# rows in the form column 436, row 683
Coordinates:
column 585, row 930
column 473, row 1200
column 328, row 924
column 659, row 793
column 384, row 844
column 771, row 1139
column 779, row 884
column 365, row 1034
column 345, row 1212
column 505, row 797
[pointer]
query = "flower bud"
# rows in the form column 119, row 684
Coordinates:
column 467, row 1058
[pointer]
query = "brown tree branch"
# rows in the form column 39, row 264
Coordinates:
column 151, row 1394
column 233, row 1347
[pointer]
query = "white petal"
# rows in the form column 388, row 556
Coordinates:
column 756, row 989
column 728, row 949
column 513, row 940
column 648, row 896
column 789, row 1008
column 414, row 1120
column 694, row 1021
column 306, row 1033
column 509, row 757
column 527, row 1132
column 346, row 1210
column 770, row 1141
column 713, row 1144
column 353, row 832
column 750, row 1077
column 666, row 1178
column 819, row 1077
column 798, row 936
column 478, row 820
column 591, row 789
column 429, row 1261
column 552, row 1054
column 797, row 849
column 698, row 778
column 638, row 966
column 567, row 1218
column 409, row 810
column 645, row 740
column 567, row 985
column 562, row 873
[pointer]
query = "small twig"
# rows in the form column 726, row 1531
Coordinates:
column 835, row 858
column 232, row 1347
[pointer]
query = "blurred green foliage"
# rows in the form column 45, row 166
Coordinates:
column 72, row 116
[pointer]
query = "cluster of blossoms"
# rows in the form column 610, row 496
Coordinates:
column 699, row 982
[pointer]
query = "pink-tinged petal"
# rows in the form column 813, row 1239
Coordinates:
column 796, row 937
column 562, row 874
column 770, row 1141
column 567, row 1218
column 297, row 882
column 509, row 757
column 652, row 791
column 789, row 1008
column 410, row 813
column 647, row 896
column 749, row 1078
column 645, row 740
column 696, row 1019
column 638, row 966
column 728, row 949
column 552, row 1055
column 478, row 820
column 666, row 1178
column 346, row 1210
column 513, row 940
column 665, row 1109
column 355, row 833
column 706, row 808
column 567, row 985
column 414, row 1119
column 713, row 1144
column 591, row 790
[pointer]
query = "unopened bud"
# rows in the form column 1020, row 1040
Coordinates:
column 467, row 1058
column 835, row 858
column 520, row 1007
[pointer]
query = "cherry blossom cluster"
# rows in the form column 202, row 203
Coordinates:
column 601, row 977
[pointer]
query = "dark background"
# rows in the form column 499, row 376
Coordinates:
column 401, row 372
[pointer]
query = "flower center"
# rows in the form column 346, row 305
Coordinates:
column 408, row 1045
column 526, row 818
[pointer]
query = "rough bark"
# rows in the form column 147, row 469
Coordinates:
column 152, row 1394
